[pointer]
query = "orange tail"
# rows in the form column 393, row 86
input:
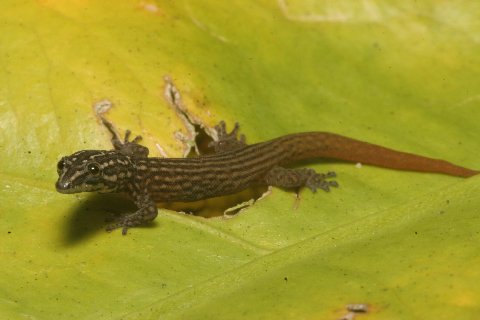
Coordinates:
column 330, row 145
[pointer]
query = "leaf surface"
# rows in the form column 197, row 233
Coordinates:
column 402, row 74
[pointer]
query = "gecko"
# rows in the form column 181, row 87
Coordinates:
column 233, row 167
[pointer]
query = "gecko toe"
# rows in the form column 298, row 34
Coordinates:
column 118, row 225
column 136, row 139
column 330, row 174
column 318, row 180
column 333, row 183
column 127, row 136
column 325, row 186
column 112, row 227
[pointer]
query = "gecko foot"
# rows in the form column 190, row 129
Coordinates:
column 127, row 147
column 227, row 141
column 297, row 178
column 140, row 217
column 317, row 180
column 124, row 223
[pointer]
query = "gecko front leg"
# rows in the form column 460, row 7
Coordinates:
column 147, row 209
column 146, row 213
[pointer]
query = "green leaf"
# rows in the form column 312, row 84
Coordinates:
column 399, row 74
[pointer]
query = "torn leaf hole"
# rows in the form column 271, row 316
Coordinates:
column 202, row 141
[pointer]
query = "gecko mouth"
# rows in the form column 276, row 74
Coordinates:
column 67, row 187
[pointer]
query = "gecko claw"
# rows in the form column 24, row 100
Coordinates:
column 127, row 136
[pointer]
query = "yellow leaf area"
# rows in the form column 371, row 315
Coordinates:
column 401, row 74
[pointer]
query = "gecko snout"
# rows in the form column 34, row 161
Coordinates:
column 63, row 186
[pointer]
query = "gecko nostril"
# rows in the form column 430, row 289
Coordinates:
column 60, row 186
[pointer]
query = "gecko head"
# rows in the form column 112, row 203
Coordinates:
column 92, row 170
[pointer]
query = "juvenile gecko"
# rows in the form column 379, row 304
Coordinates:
column 233, row 167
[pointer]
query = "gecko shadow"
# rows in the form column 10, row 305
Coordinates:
column 93, row 213
column 91, row 216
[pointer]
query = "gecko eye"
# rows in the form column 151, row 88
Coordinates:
column 93, row 169
column 60, row 165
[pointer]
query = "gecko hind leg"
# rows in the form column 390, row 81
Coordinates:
column 227, row 141
column 297, row 178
